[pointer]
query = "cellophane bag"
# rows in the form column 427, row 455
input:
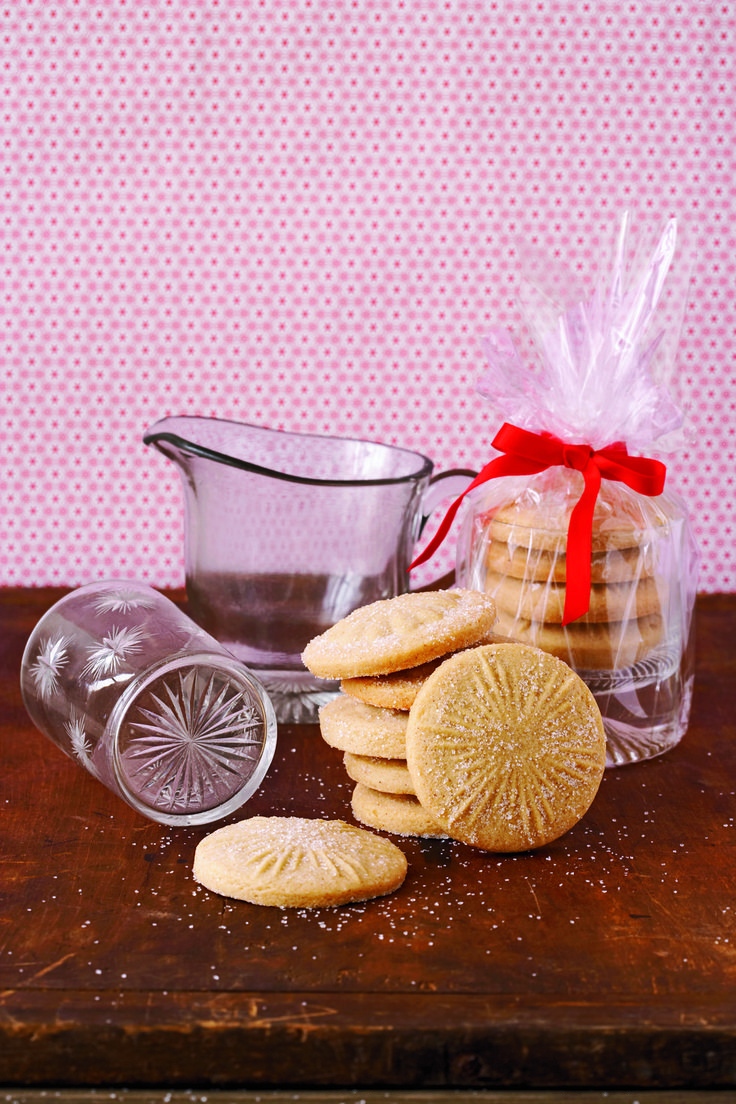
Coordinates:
column 572, row 530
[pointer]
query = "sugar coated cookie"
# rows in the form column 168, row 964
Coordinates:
column 590, row 647
column 398, row 813
column 393, row 691
column 351, row 725
column 506, row 747
column 398, row 689
column 538, row 601
column 617, row 565
column 385, row 775
column 291, row 862
column 538, row 518
column 396, row 633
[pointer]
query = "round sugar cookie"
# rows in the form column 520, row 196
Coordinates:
column 351, row 725
column 538, row 518
column 590, row 647
column 394, row 691
column 617, row 565
column 506, row 747
column 293, row 862
column 396, row 633
column 398, row 689
column 398, row 813
column 546, row 601
column 521, row 530
column 386, row 775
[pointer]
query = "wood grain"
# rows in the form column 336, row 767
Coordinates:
column 606, row 959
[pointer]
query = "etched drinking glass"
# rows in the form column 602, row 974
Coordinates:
column 127, row 685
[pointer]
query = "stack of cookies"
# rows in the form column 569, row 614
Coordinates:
column 447, row 730
column 450, row 730
column 382, row 654
column 525, row 571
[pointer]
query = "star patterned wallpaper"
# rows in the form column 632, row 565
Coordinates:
column 307, row 216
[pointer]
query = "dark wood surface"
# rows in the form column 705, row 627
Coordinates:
column 606, row 959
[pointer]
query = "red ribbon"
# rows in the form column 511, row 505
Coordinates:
column 527, row 453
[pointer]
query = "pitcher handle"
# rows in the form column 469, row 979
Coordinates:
column 447, row 484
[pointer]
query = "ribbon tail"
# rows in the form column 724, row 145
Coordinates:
column 441, row 533
column 579, row 547
column 501, row 465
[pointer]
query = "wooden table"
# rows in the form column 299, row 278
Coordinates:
column 606, row 959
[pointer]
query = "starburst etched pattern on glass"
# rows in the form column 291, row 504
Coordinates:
column 113, row 652
column 191, row 740
column 52, row 656
column 123, row 599
column 79, row 743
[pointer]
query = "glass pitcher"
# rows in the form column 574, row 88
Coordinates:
column 286, row 533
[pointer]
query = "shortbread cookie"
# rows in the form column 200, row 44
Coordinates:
column 399, row 689
column 590, row 647
column 506, row 747
column 540, row 565
column 351, row 725
column 396, row 633
column 292, row 862
column 539, row 519
column 386, row 775
column 398, row 813
column 394, row 691
column 513, row 532
column 537, row 601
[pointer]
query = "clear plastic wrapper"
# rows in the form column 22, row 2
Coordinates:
column 571, row 528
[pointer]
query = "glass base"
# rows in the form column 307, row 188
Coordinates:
column 645, row 708
column 297, row 696
column 189, row 741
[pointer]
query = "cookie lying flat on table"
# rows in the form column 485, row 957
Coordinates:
column 396, row 633
column 506, row 747
column 292, row 862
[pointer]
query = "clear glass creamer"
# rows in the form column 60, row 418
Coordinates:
column 286, row 533
column 634, row 647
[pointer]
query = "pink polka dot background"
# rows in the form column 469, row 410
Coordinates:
column 307, row 215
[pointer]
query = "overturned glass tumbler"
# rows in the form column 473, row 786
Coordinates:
column 120, row 679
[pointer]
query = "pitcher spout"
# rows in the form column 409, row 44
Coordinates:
column 184, row 436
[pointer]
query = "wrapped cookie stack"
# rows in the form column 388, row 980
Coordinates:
column 519, row 554
column 448, row 729
column 570, row 528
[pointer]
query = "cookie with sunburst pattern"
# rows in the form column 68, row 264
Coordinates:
column 506, row 747
column 296, row 862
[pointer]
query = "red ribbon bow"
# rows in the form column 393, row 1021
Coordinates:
column 527, row 453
